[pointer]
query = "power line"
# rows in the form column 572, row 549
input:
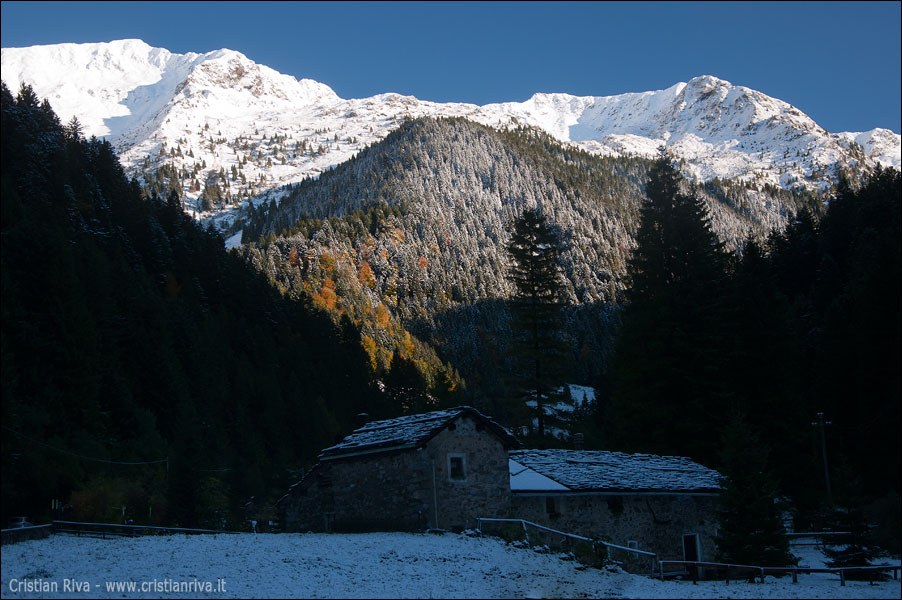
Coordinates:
column 100, row 460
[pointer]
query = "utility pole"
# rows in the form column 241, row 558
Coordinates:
column 821, row 423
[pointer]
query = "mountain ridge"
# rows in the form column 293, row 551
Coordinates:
column 221, row 106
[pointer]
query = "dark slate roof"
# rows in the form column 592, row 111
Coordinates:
column 409, row 432
column 584, row 470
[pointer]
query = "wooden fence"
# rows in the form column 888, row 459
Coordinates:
column 20, row 534
column 104, row 530
column 732, row 571
column 595, row 543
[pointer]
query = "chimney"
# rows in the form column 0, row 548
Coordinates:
column 362, row 419
column 578, row 441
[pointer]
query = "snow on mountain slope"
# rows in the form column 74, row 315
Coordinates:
column 882, row 145
column 112, row 88
column 721, row 130
column 209, row 114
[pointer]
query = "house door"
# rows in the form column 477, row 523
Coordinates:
column 691, row 553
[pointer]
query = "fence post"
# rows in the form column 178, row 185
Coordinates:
column 526, row 533
column 842, row 577
column 795, row 575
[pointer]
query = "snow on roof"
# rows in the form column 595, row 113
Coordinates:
column 524, row 479
column 584, row 470
column 408, row 432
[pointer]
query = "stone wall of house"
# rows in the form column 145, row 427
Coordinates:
column 484, row 491
column 309, row 505
column 376, row 492
column 382, row 492
column 409, row 490
column 656, row 523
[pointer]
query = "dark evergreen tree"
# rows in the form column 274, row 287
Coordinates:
column 211, row 197
column 852, row 548
column 27, row 98
column 405, row 387
column 886, row 515
column 73, row 129
column 671, row 381
column 534, row 248
column 764, row 371
column 795, row 256
column 854, row 334
column 750, row 529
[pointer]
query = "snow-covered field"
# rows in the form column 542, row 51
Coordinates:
column 378, row 565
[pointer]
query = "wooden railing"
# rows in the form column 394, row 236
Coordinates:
column 760, row 572
column 114, row 530
column 652, row 556
column 20, row 534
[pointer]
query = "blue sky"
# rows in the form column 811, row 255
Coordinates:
column 838, row 62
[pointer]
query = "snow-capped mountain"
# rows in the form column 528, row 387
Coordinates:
column 221, row 114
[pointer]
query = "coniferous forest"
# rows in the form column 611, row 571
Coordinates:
column 145, row 366
column 801, row 322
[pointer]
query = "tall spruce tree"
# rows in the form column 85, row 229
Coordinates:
column 854, row 546
column 751, row 530
column 856, row 339
column 534, row 248
column 670, row 378
column 764, row 371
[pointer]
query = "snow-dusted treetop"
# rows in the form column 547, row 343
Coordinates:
column 222, row 108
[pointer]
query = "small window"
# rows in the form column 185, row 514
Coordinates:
column 457, row 467
column 632, row 544
column 551, row 506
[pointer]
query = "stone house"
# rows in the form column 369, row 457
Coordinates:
column 444, row 469
column 438, row 470
column 661, row 504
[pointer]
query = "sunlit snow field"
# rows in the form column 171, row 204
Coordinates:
column 378, row 565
